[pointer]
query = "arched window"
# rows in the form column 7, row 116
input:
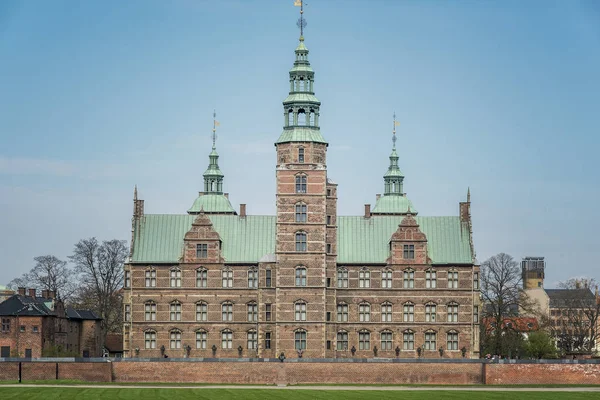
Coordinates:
column 300, row 241
column 430, row 312
column 300, row 276
column 300, row 339
column 386, row 340
column 342, row 312
column 201, row 277
column 342, row 341
column 201, row 339
column 408, row 340
column 290, row 117
column 226, row 339
column 311, row 120
column 175, row 339
column 227, row 311
column 301, row 183
column 227, row 277
column 342, row 278
column 453, row 279
column 386, row 279
column 201, row 311
column 364, row 340
column 150, row 275
column 452, row 311
column 300, row 311
column 301, row 117
column 430, row 279
column 252, row 340
column 300, row 212
column 452, row 340
column 364, row 312
column 409, row 312
column 150, row 311
column 386, row 312
column 409, row 278
column 430, row 340
column 252, row 312
column 150, row 339
column 364, row 278
column 175, row 311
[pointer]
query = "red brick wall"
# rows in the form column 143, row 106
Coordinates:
column 514, row 374
column 89, row 372
column 35, row 371
column 9, row 371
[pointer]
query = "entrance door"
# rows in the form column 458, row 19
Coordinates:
column 5, row 351
column 27, row 353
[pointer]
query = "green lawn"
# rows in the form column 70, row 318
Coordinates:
column 259, row 394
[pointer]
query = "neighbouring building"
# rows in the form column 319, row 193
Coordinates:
column 113, row 345
column 31, row 324
column 215, row 282
column 5, row 293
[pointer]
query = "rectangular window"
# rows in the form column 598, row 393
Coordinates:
column 201, row 312
column 150, row 312
column 364, row 312
column 300, row 276
column 329, row 220
column 267, row 340
column 342, row 341
column 252, row 312
column 300, row 241
column 201, row 278
column 430, row 312
column 150, row 340
column 175, row 314
column 301, row 184
column 430, row 279
column 409, row 279
column 328, row 316
column 300, row 340
column 342, row 312
column 409, row 313
column 328, row 345
column 252, row 340
column 267, row 312
column 201, row 337
column 5, row 325
column 300, row 314
column 175, row 342
column 227, row 312
column 175, row 278
column 226, row 340
column 328, row 192
column 452, row 342
column 476, row 314
column 409, row 252
column 227, row 278
column 268, row 278
column 364, row 340
column 452, row 280
column 342, row 278
column 386, row 279
column 408, row 340
column 300, row 155
column 386, row 312
column 35, row 329
column 127, row 316
column 476, row 281
column 202, row 250
column 151, row 278
column 430, row 339
column 300, row 212
column 127, row 280
column 453, row 313
column 386, row 340
column 328, row 248
column 364, row 279
column 253, row 278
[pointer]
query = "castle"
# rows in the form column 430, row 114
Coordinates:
column 306, row 282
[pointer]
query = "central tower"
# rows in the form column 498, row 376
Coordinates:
column 306, row 213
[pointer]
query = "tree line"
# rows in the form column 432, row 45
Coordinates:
column 93, row 280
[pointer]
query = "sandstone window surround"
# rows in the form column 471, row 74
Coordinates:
column 386, row 340
column 364, row 312
column 476, row 281
column 201, row 339
column 300, row 274
column 201, row 277
column 201, row 311
column 386, row 312
column 342, row 312
column 301, row 241
column 126, row 314
column 267, row 340
column 409, row 278
column 342, row 278
column 226, row 339
column 253, row 278
column 386, row 278
column 127, row 279
column 430, row 279
column 300, row 337
column 227, row 311
column 430, row 312
column 150, row 275
column 252, row 309
column 364, row 278
column 252, row 340
column 150, row 311
column 452, row 340
column 300, row 310
column 202, row 250
column 409, row 312
column 476, row 314
column 301, row 155
column 175, row 311
column 175, row 281
column 408, row 340
column 301, row 210
column 452, row 279
column 268, row 312
column 175, row 339
column 227, row 277
column 364, row 340
column 150, row 339
column 342, row 341
column 409, row 252
column 430, row 340
column 268, row 278
column 301, row 183
column 452, row 312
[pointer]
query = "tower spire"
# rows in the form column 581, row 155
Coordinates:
column 213, row 177
column 393, row 178
column 301, row 21
column 214, row 130
column 394, row 138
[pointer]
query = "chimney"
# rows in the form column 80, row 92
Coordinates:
column 226, row 195
column 377, row 196
column 45, row 293
column 367, row 211
column 51, row 294
column 32, row 292
column 242, row 210
column 21, row 291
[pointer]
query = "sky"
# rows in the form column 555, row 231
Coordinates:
column 499, row 96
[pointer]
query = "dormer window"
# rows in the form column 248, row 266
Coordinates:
column 202, row 250
column 409, row 252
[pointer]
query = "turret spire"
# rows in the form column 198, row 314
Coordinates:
column 393, row 178
column 213, row 177
column 301, row 21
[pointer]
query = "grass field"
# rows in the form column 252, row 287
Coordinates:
column 259, row 394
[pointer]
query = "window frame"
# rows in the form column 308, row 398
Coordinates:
column 175, row 339
column 150, row 339
column 387, row 279
column 430, row 342
column 201, row 250
column 408, row 281
column 226, row 339
column 342, row 312
column 386, row 340
column 364, row 278
column 252, row 340
column 408, row 252
column 452, row 312
column 430, row 312
column 301, row 155
column 300, row 276
column 201, row 277
column 227, row 311
column 201, row 311
column 175, row 311
column 226, row 277
column 453, row 279
column 201, row 339
column 175, row 278
column 386, row 312
column 252, row 278
column 342, row 341
column 342, row 278
column 301, row 241
column 252, row 312
column 301, row 210
column 150, row 309
column 300, row 311
column 408, row 339
column 300, row 339
column 452, row 339
column 430, row 278
column 301, row 183
column 408, row 312
column 150, row 277
column 364, row 312
column 364, row 340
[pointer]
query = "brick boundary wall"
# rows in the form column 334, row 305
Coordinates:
column 306, row 371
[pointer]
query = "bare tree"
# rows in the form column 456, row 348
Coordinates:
column 503, row 297
column 49, row 273
column 575, row 310
column 101, row 269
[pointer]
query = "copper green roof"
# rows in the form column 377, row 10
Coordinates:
column 301, row 97
column 159, row 238
column 301, row 134
column 393, row 204
column 211, row 203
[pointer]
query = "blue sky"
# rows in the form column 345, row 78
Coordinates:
column 501, row 96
